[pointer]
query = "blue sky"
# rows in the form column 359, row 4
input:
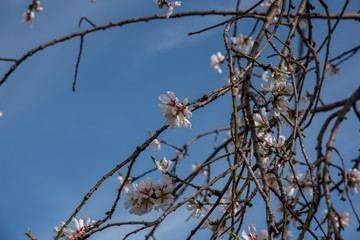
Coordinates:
column 55, row 144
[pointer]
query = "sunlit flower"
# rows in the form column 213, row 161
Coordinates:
column 81, row 226
column 139, row 200
column 155, row 144
column 216, row 60
column 244, row 43
column 164, row 165
column 265, row 76
column 176, row 113
column 252, row 233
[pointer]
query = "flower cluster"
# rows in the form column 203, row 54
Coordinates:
column 81, row 227
column 278, row 85
column 216, row 60
column 176, row 113
column 244, row 43
column 354, row 180
column 147, row 195
column 265, row 7
column 30, row 14
column 170, row 6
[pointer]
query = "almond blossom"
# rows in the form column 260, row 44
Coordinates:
column 127, row 184
column 344, row 218
column 252, row 233
column 216, row 60
column 281, row 106
column 81, row 226
column 155, row 144
column 354, row 180
column 29, row 18
column 147, row 195
column 244, row 43
column 171, row 6
column 164, row 165
column 176, row 113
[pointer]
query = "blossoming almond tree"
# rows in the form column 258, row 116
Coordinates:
column 260, row 156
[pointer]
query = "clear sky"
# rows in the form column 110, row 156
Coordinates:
column 55, row 144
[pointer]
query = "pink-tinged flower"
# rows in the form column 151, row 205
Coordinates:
column 353, row 180
column 155, row 144
column 332, row 69
column 81, row 227
column 164, row 165
column 280, row 77
column 216, row 60
column 176, row 113
column 139, row 200
column 252, row 233
column 171, row 6
column 147, row 195
column 345, row 219
column 243, row 43
column 29, row 18
column 163, row 195
column 266, row 6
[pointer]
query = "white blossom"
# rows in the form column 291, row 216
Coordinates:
column 344, row 218
column 127, row 184
column 81, row 226
column 216, row 60
column 164, row 165
column 281, row 106
column 353, row 180
column 244, row 43
column 171, row 6
column 176, row 113
column 29, row 17
column 36, row 6
column 146, row 195
column 155, row 144
column 252, row 233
